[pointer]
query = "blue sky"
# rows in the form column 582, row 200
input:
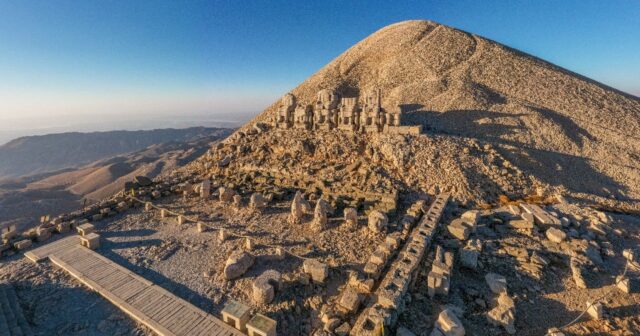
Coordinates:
column 76, row 60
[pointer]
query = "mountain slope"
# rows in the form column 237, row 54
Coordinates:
column 561, row 131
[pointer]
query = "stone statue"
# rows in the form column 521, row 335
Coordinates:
column 348, row 115
column 284, row 118
column 325, row 112
column 303, row 117
column 372, row 117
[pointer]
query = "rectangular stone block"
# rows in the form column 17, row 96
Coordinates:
column 261, row 325
column 236, row 315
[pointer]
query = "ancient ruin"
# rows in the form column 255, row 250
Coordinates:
column 331, row 111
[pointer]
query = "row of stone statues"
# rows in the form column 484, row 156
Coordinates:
column 330, row 111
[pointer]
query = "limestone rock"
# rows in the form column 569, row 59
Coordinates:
column 237, row 264
column 497, row 283
column 459, row 229
column 226, row 194
column 351, row 217
column 316, row 269
column 296, row 209
column 555, row 235
column 377, row 221
column 448, row 324
column 504, row 314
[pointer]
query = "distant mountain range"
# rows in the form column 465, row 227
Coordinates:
column 46, row 153
column 55, row 173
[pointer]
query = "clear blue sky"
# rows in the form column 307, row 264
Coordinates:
column 124, row 58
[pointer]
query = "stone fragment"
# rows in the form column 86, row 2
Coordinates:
column 226, row 194
column 628, row 285
column 471, row 217
column 504, row 314
column 318, row 271
column 295, row 217
column 320, row 216
column 377, row 221
column 236, row 315
column 372, row 269
column 554, row 332
column 470, row 253
column 22, row 244
column 90, row 241
column 350, row 300
column 201, row 227
column 265, row 286
column 577, row 273
column 437, row 284
column 448, row 324
column 249, row 245
column 555, row 235
column 237, row 201
column 497, row 283
column 42, row 234
column 148, row 206
column 63, row 227
column 343, row 329
column 257, row 201
column 351, row 217
column 181, row 220
column 205, row 189
column 595, row 310
column 459, row 229
column 85, row 229
column 237, row 264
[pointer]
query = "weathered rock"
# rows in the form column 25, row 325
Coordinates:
column 350, row 300
column 459, row 229
column 226, row 194
column 351, row 217
column 448, row 324
column 470, row 253
column 296, row 209
column 497, row 283
column 237, row 264
column 205, row 189
column 265, row 285
column 377, row 221
column 595, row 310
column 257, row 201
column 318, row 271
column 320, row 216
column 504, row 314
column 555, row 235
column 471, row 217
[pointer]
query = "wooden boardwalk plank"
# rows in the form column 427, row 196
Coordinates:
column 149, row 304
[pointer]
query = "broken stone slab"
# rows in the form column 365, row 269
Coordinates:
column 448, row 324
column 22, row 244
column 470, row 253
column 459, row 229
column 628, row 285
column 555, row 235
column 595, row 310
column 471, row 217
column 437, row 284
column 350, row 300
column 373, row 270
column 318, row 271
column 237, row 264
column 497, row 283
column 265, row 286
column 504, row 314
column 377, row 221
column 205, row 189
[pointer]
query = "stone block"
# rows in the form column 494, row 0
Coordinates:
column 63, row 227
column 237, row 264
column 471, row 217
column 377, row 221
column 257, row 201
column 628, row 285
column 437, row 284
column 226, row 194
column 350, row 299
column 164, row 213
column 459, row 229
column 351, row 217
column 497, row 283
column 22, row 244
column 379, row 257
column 596, row 310
column 504, row 314
column 448, row 324
column 555, row 235
column 372, row 270
column 317, row 270
column 42, row 234
column 265, row 286
column 236, row 315
column 90, row 241
column 470, row 253
column 85, row 229
column 181, row 220
column 201, row 227
column 261, row 325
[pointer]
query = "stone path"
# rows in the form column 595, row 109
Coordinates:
column 12, row 321
column 151, row 305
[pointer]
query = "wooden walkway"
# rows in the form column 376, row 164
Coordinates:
column 151, row 305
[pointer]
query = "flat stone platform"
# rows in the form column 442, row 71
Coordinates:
column 151, row 305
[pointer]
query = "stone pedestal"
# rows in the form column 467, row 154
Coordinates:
column 85, row 229
column 90, row 241
column 236, row 315
column 261, row 325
